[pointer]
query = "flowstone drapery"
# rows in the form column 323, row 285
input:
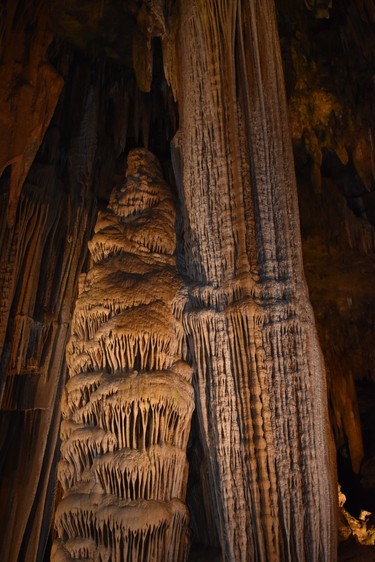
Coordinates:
column 261, row 392
column 129, row 399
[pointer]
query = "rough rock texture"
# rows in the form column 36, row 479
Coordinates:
column 362, row 529
column 129, row 400
column 260, row 378
column 98, row 112
column 105, row 50
column 41, row 259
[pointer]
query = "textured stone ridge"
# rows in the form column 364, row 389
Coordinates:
column 261, row 394
column 129, row 400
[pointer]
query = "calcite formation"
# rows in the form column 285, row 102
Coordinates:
column 29, row 91
column 129, row 400
column 40, row 263
column 261, row 392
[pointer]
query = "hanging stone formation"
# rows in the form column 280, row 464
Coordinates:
column 129, row 400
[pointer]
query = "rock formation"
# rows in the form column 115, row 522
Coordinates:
column 362, row 529
column 129, row 400
column 83, row 82
column 261, row 392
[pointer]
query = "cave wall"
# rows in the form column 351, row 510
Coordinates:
column 42, row 252
column 70, row 107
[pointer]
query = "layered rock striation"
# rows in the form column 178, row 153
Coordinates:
column 128, row 403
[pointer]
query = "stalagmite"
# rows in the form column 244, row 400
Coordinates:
column 260, row 377
column 129, row 400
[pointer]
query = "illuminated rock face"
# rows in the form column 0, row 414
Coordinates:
column 129, row 400
column 67, row 114
column 261, row 392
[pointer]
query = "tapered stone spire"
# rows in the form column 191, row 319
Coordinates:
column 129, row 399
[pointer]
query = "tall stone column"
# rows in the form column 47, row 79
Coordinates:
column 261, row 386
column 129, row 399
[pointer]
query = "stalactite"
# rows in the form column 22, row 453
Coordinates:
column 129, row 400
column 260, row 376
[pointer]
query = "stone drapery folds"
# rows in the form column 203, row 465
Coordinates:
column 261, row 392
column 70, row 109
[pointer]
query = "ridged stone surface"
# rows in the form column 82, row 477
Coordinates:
column 129, row 400
column 261, row 391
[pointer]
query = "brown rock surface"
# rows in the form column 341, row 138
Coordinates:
column 29, row 91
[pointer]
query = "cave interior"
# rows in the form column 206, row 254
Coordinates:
column 82, row 83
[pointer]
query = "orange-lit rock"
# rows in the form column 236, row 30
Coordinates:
column 29, row 91
column 261, row 391
column 255, row 450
